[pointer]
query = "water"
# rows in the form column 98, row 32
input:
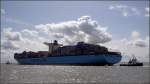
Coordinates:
column 74, row 74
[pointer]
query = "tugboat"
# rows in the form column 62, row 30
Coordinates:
column 133, row 62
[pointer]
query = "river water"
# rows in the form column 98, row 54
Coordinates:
column 18, row 74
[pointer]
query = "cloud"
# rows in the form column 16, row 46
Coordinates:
column 147, row 11
column 141, row 53
column 9, row 39
column 10, row 35
column 24, row 39
column 134, row 46
column 83, row 29
column 18, row 41
column 135, row 35
column 124, row 40
column 124, row 10
column 3, row 11
column 42, row 28
column 9, row 45
column 140, row 43
column 29, row 33
column 136, row 40
column 147, row 38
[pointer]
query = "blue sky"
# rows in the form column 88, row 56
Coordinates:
column 38, row 12
column 123, row 25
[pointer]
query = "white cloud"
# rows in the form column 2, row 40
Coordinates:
column 42, row 28
column 136, row 40
column 9, row 45
column 135, row 35
column 147, row 11
column 9, row 39
column 147, row 38
column 140, row 43
column 84, row 29
column 3, row 11
column 141, row 53
column 15, row 41
column 135, row 46
column 124, row 40
column 29, row 33
column 125, row 10
column 10, row 35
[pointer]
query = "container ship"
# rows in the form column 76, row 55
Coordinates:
column 79, row 54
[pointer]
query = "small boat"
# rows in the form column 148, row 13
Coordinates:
column 133, row 62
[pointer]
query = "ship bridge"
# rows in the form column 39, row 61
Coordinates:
column 53, row 46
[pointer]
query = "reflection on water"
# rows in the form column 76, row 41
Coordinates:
column 73, row 74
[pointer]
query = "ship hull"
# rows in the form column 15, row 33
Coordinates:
column 75, row 60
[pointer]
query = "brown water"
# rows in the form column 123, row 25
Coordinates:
column 74, row 74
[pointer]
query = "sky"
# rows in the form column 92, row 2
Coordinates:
column 119, row 25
